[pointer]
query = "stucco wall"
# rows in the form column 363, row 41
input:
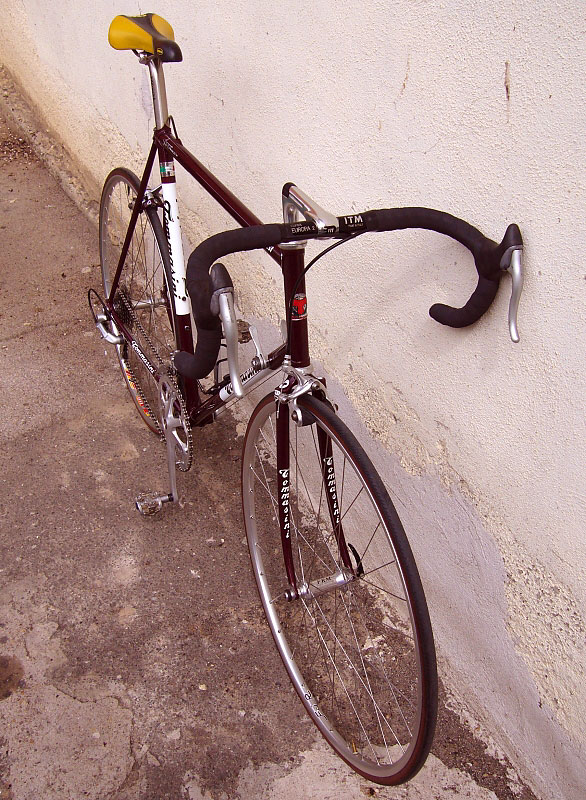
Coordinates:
column 466, row 106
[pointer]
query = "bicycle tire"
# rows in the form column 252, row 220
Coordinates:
column 142, row 298
column 361, row 657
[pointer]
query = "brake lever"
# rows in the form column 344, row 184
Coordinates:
column 230, row 328
column 511, row 262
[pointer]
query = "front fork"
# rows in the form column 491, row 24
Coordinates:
column 286, row 396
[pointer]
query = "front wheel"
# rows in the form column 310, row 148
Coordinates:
column 357, row 641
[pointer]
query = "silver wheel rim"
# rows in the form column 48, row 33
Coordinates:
column 144, row 275
column 374, row 756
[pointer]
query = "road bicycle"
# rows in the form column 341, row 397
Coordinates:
column 334, row 569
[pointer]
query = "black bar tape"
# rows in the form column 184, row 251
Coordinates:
column 392, row 219
column 209, row 329
column 479, row 302
column 487, row 258
column 202, row 258
column 200, row 363
column 487, row 255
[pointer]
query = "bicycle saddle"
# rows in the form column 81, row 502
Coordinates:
column 148, row 32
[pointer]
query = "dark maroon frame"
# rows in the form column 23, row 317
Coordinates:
column 292, row 261
column 169, row 149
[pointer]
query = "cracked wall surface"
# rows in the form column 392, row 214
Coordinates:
column 544, row 616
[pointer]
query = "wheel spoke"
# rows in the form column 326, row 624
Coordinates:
column 142, row 298
column 348, row 644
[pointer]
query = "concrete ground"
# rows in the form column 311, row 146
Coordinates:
column 134, row 660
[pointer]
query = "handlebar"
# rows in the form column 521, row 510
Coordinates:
column 491, row 260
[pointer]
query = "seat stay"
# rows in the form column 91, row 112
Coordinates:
column 133, row 218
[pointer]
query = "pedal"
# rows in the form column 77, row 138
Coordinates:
column 150, row 503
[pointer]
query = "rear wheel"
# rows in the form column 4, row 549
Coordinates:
column 142, row 299
column 356, row 642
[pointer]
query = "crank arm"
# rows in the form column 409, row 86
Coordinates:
column 150, row 503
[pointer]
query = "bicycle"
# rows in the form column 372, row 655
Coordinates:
column 334, row 570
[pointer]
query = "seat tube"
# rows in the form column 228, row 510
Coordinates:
column 171, row 222
column 172, row 228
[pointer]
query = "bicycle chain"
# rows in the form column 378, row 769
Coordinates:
column 168, row 370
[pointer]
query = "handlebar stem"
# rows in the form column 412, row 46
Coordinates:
column 297, row 205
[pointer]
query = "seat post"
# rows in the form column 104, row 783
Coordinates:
column 159, row 91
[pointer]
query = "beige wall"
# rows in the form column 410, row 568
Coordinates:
column 467, row 106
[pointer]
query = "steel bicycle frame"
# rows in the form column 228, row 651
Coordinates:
column 291, row 257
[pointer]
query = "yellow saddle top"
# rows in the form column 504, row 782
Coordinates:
column 147, row 32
